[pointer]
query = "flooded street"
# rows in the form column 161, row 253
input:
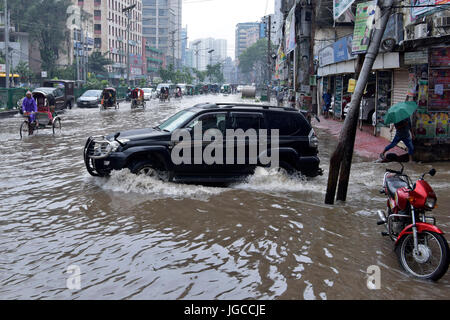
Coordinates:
column 137, row 238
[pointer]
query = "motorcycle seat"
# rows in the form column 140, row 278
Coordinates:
column 393, row 184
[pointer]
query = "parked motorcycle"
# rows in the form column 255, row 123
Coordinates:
column 420, row 246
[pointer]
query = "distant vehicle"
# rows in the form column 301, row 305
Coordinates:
column 67, row 87
column 148, row 93
column 239, row 88
column 169, row 86
column 90, row 99
column 182, row 86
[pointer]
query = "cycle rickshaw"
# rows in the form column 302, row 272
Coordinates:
column 45, row 118
column 137, row 98
column 109, row 99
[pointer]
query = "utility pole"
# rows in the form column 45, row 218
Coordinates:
column 6, row 44
column 128, row 11
column 340, row 161
column 173, row 49
column 77, row 52
column 269, row 56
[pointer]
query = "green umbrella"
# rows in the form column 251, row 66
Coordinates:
column 400, row 111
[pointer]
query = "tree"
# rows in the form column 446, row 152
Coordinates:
column 254, row 58
column 215, row 73
column 24, row 71
column 98, row 62
column 45, row 21
column 201, row 75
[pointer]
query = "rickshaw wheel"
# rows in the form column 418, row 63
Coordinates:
column 56, row 126
column 24, row 129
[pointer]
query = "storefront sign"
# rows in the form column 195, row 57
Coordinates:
column 290, row 31
column 419, row 7
column 326, row 56
column 339, row 51
column 416, row 57
column 440, row 57
column 351, row 85
column 340, row 6
column 3, row 68
column 365, row 15
column 338, row 96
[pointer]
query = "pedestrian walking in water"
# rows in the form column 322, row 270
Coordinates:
column 403, row 133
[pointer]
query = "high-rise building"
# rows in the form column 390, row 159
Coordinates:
column 161, row 20
column 246, row 35
column 184, row 43
column 208, row 51
column 110, row 34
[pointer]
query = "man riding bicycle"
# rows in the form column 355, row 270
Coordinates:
column 29, row 108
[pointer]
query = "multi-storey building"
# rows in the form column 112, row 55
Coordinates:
column 154, row 60
column 161, row 20
column 112, row 29
column 201, row 49
column 246, row 35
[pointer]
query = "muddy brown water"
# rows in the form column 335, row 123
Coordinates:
column 136, row 238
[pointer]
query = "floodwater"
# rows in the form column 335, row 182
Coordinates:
column 136, row 238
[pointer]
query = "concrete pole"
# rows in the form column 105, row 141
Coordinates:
column 269, row 56
column 128, row 48
column 340, row 160
column 6, row 44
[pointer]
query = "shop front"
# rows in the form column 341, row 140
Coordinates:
column 429, row 86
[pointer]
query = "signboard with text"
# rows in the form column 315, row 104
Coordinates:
column 340, row 6
column 364, row 23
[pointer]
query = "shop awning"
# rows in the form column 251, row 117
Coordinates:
column 390, row 60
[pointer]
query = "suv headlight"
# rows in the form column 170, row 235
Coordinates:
column 114, row 145
column 430, row 203
column 313, row 141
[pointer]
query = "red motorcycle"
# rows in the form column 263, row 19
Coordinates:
column 420, row 246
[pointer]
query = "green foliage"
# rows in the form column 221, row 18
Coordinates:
column 169, row 74
column 142, row 83
column 255, row 54
column 201, row 75
column 215, row 73
column 45, row 21
column 93, row 83
column 24, row 71
column 98, row 62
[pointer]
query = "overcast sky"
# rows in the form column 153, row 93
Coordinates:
column 218, row 18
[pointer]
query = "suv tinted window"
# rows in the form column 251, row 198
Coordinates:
column 210, row 121
column 288, row 123
column 246, row 121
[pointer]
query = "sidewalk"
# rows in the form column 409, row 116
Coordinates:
column 8, row 113
column 366, row 144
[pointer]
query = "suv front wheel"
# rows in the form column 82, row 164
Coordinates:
column 147, row 168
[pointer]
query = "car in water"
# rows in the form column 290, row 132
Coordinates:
column 90, row 99
column 150, row 151
column 148, row 93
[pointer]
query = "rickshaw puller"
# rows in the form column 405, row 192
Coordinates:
column 29, row 107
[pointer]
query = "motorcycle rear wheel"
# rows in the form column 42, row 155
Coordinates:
column 433, row 260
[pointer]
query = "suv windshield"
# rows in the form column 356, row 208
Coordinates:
column 176, row 121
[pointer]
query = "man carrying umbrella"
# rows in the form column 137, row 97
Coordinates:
column 400, row 116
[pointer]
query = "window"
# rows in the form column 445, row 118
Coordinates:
column 210, row 121
column 163, row 2
column 149, row 3
column 246, row 121
column 149, row 12
column 164, row 22
column 288, row 124
column 97, row 2
column 163, row 31
column 163, row 41
column 149, row 22
column 162, row 12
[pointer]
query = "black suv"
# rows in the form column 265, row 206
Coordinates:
column 149, row 151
